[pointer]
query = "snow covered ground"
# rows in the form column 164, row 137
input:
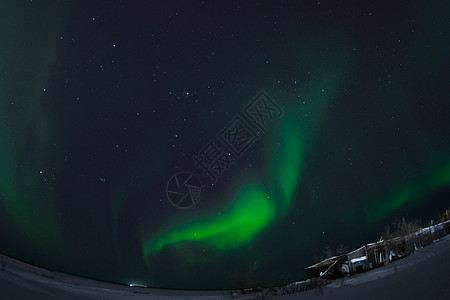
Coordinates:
column 422, row 275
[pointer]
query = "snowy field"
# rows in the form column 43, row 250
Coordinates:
column 422, row 275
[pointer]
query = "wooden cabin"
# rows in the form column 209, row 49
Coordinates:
column 330, row 268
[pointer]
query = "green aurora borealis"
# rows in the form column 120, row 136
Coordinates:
column 252, row 208
column 99, row 107
column 26, row 132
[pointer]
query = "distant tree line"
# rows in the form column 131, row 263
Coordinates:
column 341, row 249
column 403, row 227
column 400, row 228
column 397, row 228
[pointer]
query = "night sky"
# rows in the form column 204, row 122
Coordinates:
column 289, row 126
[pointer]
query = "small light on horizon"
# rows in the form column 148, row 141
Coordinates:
column 137, row 285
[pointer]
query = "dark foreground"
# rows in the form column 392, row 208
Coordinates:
column 422, row 275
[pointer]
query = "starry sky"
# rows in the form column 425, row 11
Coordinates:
column 329, row 120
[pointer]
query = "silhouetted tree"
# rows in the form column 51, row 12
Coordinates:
column 445, row 216
column 341, row 249
column 400, row 228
